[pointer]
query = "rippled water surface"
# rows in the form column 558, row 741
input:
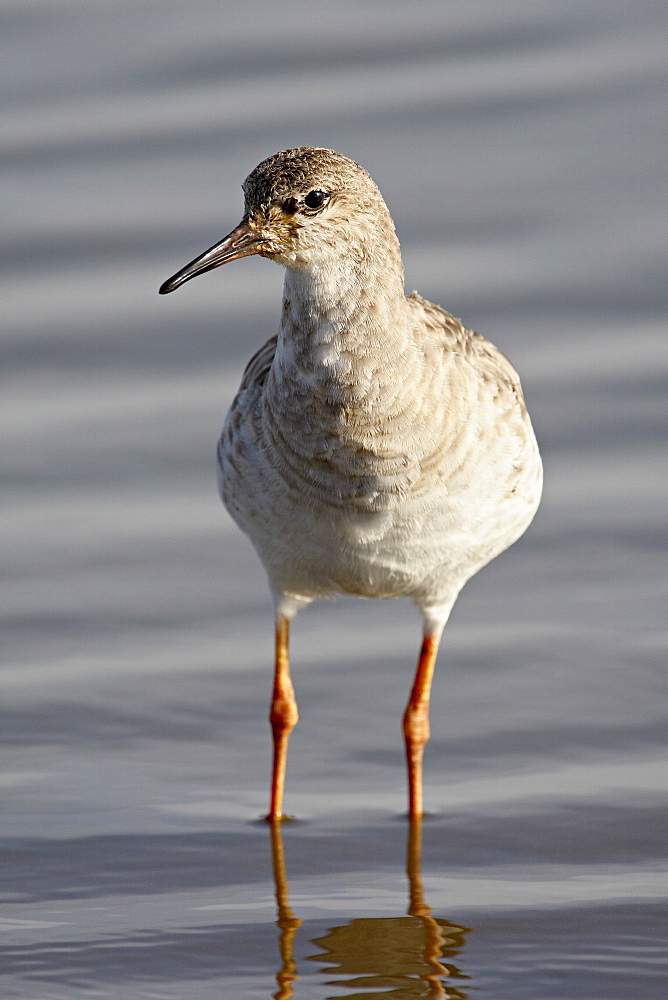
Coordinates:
column 521, row 149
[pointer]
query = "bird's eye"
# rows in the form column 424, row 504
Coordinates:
column 316, row 199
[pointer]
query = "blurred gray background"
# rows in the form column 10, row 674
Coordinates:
column 521, row 148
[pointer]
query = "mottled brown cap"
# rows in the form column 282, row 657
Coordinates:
column 302, row 169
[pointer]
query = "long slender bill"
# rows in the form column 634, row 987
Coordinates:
column 241, row 242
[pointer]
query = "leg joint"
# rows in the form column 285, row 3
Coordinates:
column 283, row 714
column 416, row 724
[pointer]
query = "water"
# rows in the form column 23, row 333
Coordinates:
column 521, row 149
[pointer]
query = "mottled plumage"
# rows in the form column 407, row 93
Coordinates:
column 376, row 446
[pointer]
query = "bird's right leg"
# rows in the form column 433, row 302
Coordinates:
column 282, row 716
column 416, row 716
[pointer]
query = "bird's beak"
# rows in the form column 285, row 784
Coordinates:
column 241, row 242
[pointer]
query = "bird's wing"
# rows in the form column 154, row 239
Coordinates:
column 471, row 347
column 257, row 369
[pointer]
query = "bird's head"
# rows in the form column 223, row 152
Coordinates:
column 304, row 208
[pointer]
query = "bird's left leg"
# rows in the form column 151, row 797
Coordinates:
column 416, row 723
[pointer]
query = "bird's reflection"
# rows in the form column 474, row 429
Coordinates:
column 286, row 921
column 396, row 957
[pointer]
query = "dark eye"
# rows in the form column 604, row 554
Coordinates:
column 316, row 199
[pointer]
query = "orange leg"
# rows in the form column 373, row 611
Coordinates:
column 282, row 716
column 416, row 721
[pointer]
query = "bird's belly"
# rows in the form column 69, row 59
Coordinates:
column 345, row 519
column 385, row 545
column 320, row 552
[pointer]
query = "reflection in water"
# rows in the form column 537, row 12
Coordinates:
column 397, row 957
column 287, row 923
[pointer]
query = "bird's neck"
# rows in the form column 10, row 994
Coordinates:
column 339, row 319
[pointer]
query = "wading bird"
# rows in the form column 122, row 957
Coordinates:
column 376, row 446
